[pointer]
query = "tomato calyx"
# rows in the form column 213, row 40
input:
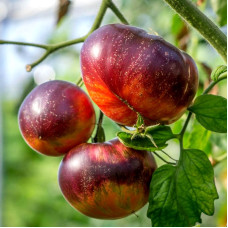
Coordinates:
column 140, row 130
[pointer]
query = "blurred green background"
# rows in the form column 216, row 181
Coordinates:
column 30, row 195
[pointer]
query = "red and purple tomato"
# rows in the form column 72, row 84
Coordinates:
column 106, row 180
column 55, row 117
column 128, row 71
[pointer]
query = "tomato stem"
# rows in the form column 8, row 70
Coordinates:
column 192, row 15
column 212, row 84
column 100, row 134
column 171, row 163
column 105, row 4
column 168, row 155
column 116, row 11
column 43, row 46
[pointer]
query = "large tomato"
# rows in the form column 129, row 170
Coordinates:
column 55, row 117
column 126, row 70
column 106, row 180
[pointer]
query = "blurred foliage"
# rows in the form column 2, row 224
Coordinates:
column 31, row 193
column 220, row 7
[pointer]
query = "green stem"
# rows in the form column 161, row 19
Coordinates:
column 212, row 84
column 100, row 135
column 189, row 12
column 168, row 155
column 185, row 124
column 171, row 163
column 116, row 11
column 30, row 66
column 96, row 25
column 207, row 90
column 52, row 48
column 184, row 129
column 99, row 17
column 24, row 44
column 55, row 47
column 101, row 116
column 79, row 81
column 81, row 84
column 105, row 4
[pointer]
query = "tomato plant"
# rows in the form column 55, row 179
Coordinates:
column 141, row 81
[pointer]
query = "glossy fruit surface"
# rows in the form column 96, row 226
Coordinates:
column 106, row 180
column 55, row 117
column 126, row 70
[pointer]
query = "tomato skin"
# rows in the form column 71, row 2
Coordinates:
column 55, row 117
column 106, row 180
column 126, row 70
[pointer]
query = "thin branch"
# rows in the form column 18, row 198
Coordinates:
column 185, row 124
column 100, row 135
column 116, row 11
column 55, row 47
column 30, row 66
column 100, row 120
column 190, row 13
column 79, row 81
column 81, row 84
column 169, row 156
column 52, row 48
column 99, row 17
column 222, row 77
column 171, row 163
column 44, row 46
column 105, row 4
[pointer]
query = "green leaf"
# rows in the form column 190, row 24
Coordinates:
column 178, row 195
column 218, row 72
column 139, row 142
column 160, row 135
column 199, row 137
column 211, row 112
column 220, row 8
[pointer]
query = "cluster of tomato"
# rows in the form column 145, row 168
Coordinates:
column 126, row 71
